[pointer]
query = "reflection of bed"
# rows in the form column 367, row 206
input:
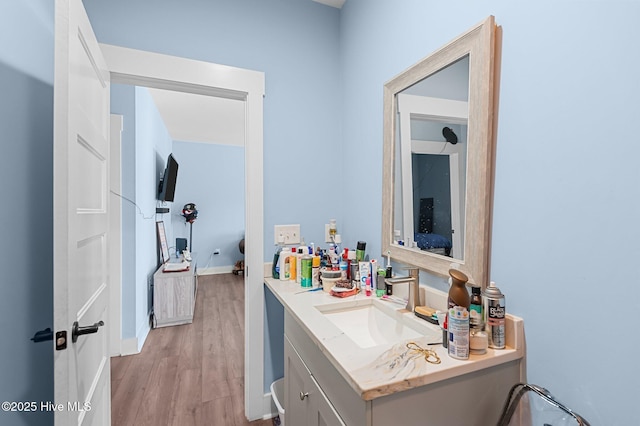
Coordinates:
column 433, row 243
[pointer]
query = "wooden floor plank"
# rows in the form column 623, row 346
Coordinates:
column 157, row 402
column 190, row 374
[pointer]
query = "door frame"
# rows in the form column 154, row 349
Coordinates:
column 115, row 236
column 142, row 68
column 446, row 111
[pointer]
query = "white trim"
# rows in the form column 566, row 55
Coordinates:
column 129, row 346
column 129, row 66
column 214, row 270
column 440, row 110
column 115, row 238
column 270, row 410
column 142, row 334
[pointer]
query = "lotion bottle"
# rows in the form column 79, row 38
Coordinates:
column 292, row 264
column 284, row 264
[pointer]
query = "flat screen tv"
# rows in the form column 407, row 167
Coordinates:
column 167, row 186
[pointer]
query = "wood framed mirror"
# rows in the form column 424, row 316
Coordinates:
column 438, row 156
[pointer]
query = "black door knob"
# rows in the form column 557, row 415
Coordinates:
column 76, row 330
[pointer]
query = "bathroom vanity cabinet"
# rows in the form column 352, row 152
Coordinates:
column 317, row 394
column 331, row 379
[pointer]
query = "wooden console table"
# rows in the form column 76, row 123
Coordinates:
column 174, row 296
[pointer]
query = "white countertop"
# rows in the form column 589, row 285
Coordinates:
column 389, row 368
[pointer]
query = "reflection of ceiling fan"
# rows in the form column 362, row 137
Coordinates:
column 449, row 135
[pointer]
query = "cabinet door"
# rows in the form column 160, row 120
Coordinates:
column 306, row 404
column 322, row 412
column 296, row 387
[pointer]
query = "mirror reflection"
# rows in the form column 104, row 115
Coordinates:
column 439, row 120
column 431, row 164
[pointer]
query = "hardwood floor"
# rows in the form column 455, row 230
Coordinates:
column 189, row 374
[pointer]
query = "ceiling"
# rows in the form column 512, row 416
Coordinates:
column 333, row 3
column 198, row 118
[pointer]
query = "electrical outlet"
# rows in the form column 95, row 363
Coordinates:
column 286, row 234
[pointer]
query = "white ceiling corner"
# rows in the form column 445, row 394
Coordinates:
column 333, row 3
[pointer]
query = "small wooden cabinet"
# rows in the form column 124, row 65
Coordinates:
column 174, row 296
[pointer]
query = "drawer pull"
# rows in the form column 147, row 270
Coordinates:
column 303, row 395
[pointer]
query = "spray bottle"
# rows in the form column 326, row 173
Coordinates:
column 493, row 309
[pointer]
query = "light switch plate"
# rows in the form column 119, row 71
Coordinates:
column 286, row 234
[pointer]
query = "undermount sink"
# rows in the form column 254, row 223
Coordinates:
column 371, row 322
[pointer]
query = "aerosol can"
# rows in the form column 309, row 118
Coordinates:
column 493, row 311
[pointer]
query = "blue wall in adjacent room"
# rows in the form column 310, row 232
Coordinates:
column 153, row 146
column 146, row 144
column 123, row 103
column 212, row 177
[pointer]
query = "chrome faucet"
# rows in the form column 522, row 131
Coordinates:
column 413, row 279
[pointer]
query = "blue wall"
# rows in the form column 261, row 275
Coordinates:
column 212, row 177
column 26, row 173
column 296, row 44
column 566, row 209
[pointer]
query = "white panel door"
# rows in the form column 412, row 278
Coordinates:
column 81, row 221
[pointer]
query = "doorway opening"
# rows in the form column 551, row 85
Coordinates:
column 128, row 66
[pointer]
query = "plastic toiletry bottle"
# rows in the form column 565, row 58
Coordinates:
column 299, row 264
column 360, row 251
column 493, row 308
column 275, row 266
column 478, row 340
column 284, row 264
column 364, row 270
column 458, row 316
column 344, row 266
column 380, row 288
column 292, row 264
column 475, row 309
column 315, row 271
column 307, row 265
column 458, row 323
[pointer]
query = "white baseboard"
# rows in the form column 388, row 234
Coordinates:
column 269, row 407
column 142, row 334
column 215, row 270
column 134, row 345
column 129, row 346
